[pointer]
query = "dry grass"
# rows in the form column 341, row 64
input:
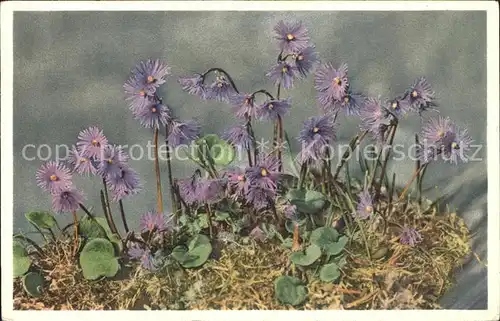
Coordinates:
column 243, row 278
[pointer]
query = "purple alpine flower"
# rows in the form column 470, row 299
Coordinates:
column 53, row 177
column 152, row 221
column 420, row 96
column 290, row 212
column 398, row 106
column 243, row 106
column 365, row 205
column 435, row 129
column 271, row 109
column 111, row 161
column 183, row 133
column 210, row 191
column 372, row 117
column 305, row 60
column 150, row 75
column 282, row 73
column 316, row 135
column 331, row 84
column 194, row 85
column 456, row 144
column 260, row 197
column 81, row 164
column 91, row 142
column 238, row 136
column 237, row 183
column 189, row 188
column 153, row 114
column 135, row 93
column 144, row 255
column 221, row 89
column 264, row 174
column 351, row 104
column 67, row 200
column 292, row 36
column 410, row 236
column 123, row 182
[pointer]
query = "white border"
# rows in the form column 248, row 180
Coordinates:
column 7, row 9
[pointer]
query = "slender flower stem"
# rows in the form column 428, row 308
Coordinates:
column 303, row 172
column 263, row 91
column 420, row 182
column 251, row 134
column 386, row 158
column 170, row 177
column 361, row 229
column 122, row 212
column 86, row 210
column 159, row 199
column 75, row 225
column 355, row 142
column 415, row 174
column 280, row 143
column 417, row 166
column 222, row 71
column 111, row 222
column 296, row 244
column 210, row 226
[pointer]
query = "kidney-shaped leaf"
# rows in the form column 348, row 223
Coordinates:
column 42, row 220
column 214, row 149
column 98, row 259
column 20, row 259
column 324, row 237
column 33, row 284
column 307, row 201
column 329, row 272
column 195, row 254
column 312, row 253
column 290, row 290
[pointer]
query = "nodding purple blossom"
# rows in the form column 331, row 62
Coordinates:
column 456, row 144
column 373, row 117
column 152, row 221
column 144, row 255
column 264, row 174
column 365, row 207
column 183, row 133
column 91, row 142
column 81, row 164
column 292, row 37
column 272, row 109
column 435, row 129
column 150, row 74
column 316, row 135
column 53, row 177
column 399, row 106
column 210, row 191
column 194, row 85
column 331, row 83
column 135, row 93
column 282, row 73
column 243, row 106
column 67, row 200
column 350, row 104
column 124, row 182
column 305, row 60
column 238, row 136
column 290, row 212
column 237, row 183
column 111, row 161
column 221, row 89
column 420, row 95
column 410, row 236
column 152, row 114
column 189, row 188
column 260, row 197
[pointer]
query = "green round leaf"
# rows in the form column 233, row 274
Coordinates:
column 214, row 149
column 91, row 228
column 42, row 220
column 324, row 237
column 307, row 201
column 98, row 259
column 290, row 290
column 117, row 243
column 195, row 254
column 329, row 272
column 33, row 284
column 20, row 259
column 312, row 253
column 104, row 223
column 337, row 247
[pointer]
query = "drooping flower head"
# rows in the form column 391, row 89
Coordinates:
column 316, row 135
column 152, row 221
column 410, row 236
column 265, row 173
column 150, row 75
column 290, row 212
column 189, row 188
column 331, row 84
column 243, row 105
column 144, row 255
column 373, row 116
column 210, row 191
column 152, row 114
column 420, row 96
column 350, row 104
column 260, row 197
column 271, row 109
column 237, row 183
column 365, row 205
column 124, row 182
column 53, row 177
column 398, row 106
column 238, row 136
column 91, row 142
column 435, row 129
column 305, row 60
column 456, row 144
column 67, row 200
column 81, row 164
column 135, row 93
column 111, row 161
column 183, row 133
column 221, row 89
column 194, row 85
column 282, row 73
column 292, row 36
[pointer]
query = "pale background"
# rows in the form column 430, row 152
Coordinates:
column 69, row 69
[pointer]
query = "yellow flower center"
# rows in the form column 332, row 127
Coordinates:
column 142, row 93
column 53, row 177
column 263, row 172
column 270, row 106
column 110, row 161
column 336, row 80
column 440, row 133
column 241, row 178
column 290, row 37
column 315, row 129
column 83, row 160
column 369, row 209
column 284, row 69
column 454, row 145
column 153, row 109
column 247, row 101
column 300, row 57
column 394, row 105
column 346, row 99
column 414, row 94
column 150, row 79
column 94, row 142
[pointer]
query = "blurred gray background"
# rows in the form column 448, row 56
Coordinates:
column 69, row 69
